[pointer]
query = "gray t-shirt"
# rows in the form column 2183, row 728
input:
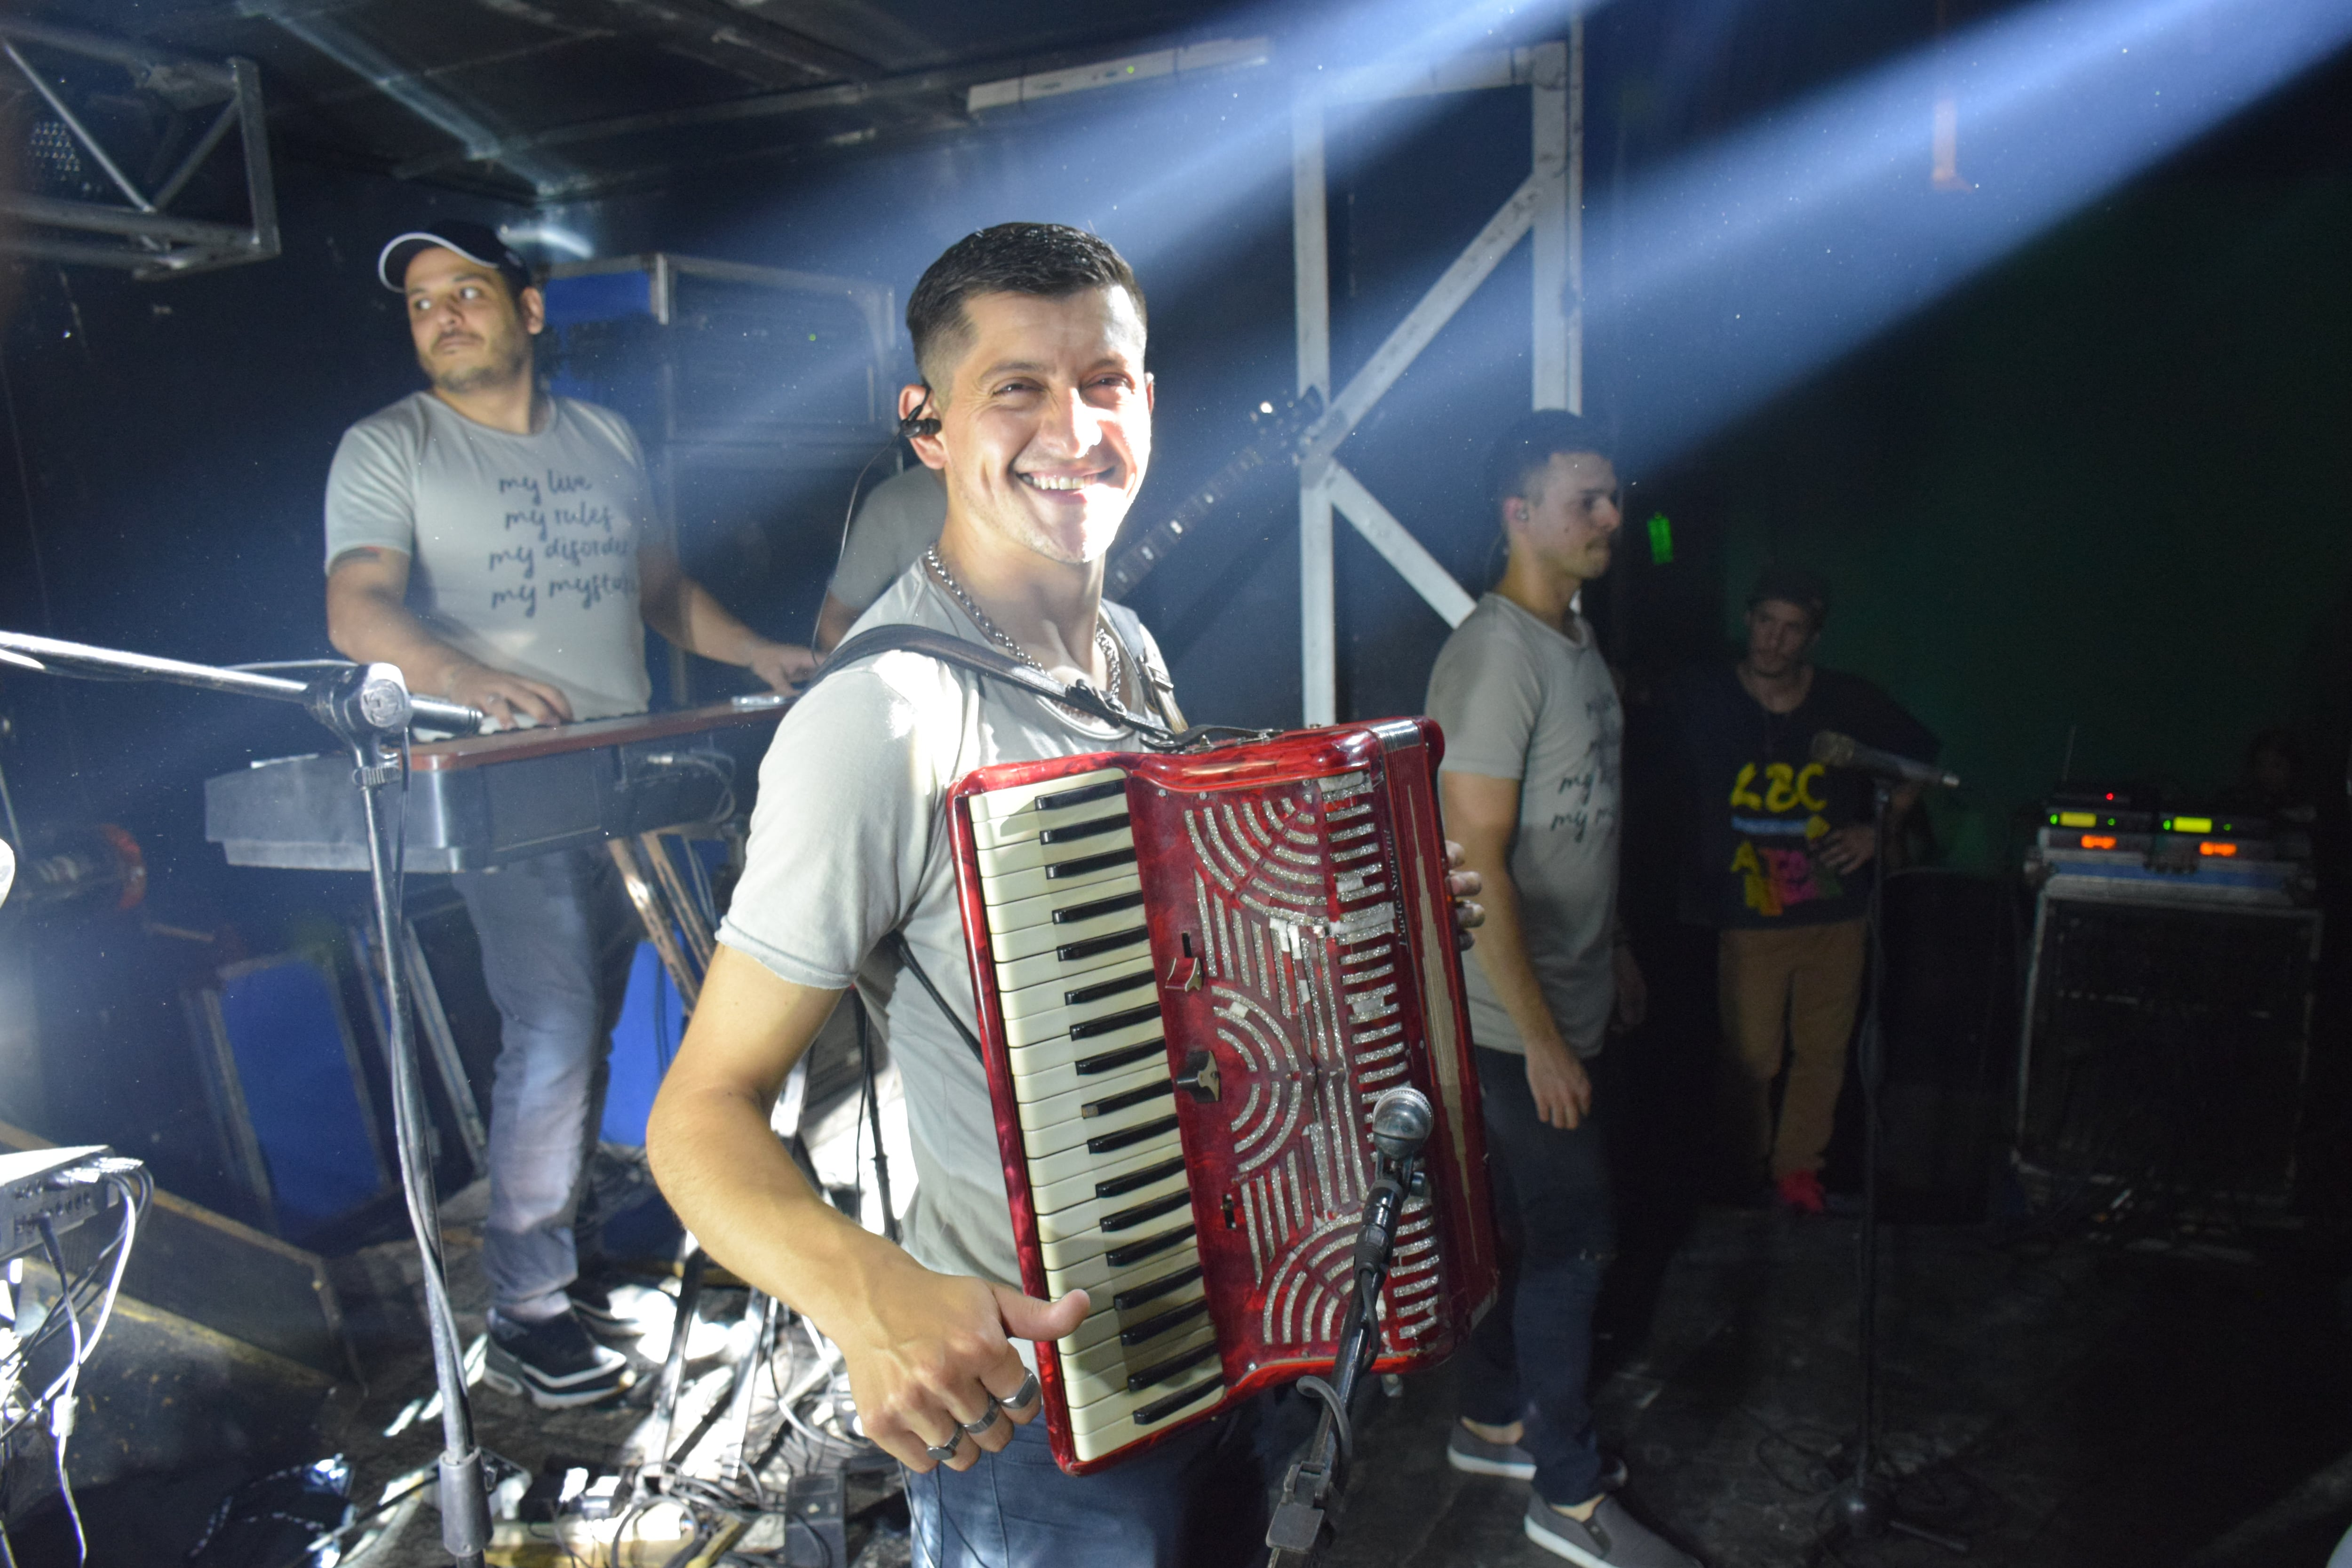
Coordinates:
column 849, row 842
column 522, row 549
column 1518, row 701
column 899, row 519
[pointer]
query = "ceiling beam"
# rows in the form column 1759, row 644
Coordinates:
column 951, row 83
column 738, row 33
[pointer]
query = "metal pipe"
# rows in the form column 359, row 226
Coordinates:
column 81, row 132
column 1576, row 215
column 114, row 51
column 690, row 923
column 75, row 254
column 1311, row 270
column 795, row 101
column 150, row 225
column 260, row 190
column 82, row 658
column 203, row 150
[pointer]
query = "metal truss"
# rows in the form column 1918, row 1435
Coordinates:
column 1547, row 207
column 154, row 242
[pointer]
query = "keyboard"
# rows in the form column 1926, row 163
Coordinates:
column 487, row 800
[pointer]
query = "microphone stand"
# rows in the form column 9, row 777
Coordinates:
column 1863, row 1507
column 1310, row 1490
column 369, row 709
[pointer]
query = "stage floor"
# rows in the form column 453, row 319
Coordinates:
column 2061, row 1403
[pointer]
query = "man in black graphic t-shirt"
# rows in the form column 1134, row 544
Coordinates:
column 1779, row 864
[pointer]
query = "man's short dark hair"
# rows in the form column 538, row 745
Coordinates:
column 1789, row 584
column 1527, row 448
column 1050, row 260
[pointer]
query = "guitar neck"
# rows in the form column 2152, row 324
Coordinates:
column 1134, row 562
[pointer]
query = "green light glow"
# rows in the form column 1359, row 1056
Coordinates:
column 1661, row 540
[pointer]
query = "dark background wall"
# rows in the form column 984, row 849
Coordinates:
column 2101, row 488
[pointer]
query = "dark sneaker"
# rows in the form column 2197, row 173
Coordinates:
column 591, row 1303
column 1611, row 1538
column 1467, row 1451
column 553, row 1363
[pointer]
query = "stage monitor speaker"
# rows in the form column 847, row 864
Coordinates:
column 2168, row 1045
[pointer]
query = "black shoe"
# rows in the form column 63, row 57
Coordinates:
column 591, row 1303
column 553, row 1363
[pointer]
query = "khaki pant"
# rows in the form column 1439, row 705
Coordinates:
column 1792, row 992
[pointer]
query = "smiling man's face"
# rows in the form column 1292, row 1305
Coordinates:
column 471, row 332
column 1046, row 426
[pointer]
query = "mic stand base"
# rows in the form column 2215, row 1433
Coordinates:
column 1865, row 1512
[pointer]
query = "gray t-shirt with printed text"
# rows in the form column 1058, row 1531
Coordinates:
column 849, row 843
column 522, row 549
column 900, row 518
column 1518, row 701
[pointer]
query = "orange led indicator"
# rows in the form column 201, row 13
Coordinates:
column 2211, row 847
column 2098, row 841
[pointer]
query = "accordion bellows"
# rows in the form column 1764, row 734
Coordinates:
column 1195, row 974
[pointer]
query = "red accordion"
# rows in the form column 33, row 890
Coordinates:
column 1195, row 974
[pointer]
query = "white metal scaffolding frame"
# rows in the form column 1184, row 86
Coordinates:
column 154, row 241
column 1547, row 209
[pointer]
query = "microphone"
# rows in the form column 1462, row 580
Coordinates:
column 1833, row 750
column 1401, row 1123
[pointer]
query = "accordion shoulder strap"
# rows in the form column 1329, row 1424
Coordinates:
column 904, row 951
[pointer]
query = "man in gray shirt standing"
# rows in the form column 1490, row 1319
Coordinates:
column 1534, row 737
column 498, row 545
column 901, row 519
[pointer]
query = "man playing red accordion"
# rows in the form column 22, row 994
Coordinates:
column 1036, row 409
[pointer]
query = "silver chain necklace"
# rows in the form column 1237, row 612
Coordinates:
column 1114, row 665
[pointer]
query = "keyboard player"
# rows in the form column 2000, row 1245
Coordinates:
column 494, row 542
column 1030, row 339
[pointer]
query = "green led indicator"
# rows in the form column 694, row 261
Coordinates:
column 1661, row 540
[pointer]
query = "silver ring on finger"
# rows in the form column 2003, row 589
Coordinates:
column 943, row 1452
column 1023, row 1396
column 987, row 1418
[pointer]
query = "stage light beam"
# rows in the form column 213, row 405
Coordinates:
column 1753, row 261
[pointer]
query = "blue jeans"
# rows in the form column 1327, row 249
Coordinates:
column 558, row 935
column 1529, row 1359
column 1196, row 1501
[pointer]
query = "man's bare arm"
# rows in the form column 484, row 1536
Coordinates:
column 368, row 619
column 834, row 619
column 1481, row 814
column 924, row 1350
column 685, row 611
